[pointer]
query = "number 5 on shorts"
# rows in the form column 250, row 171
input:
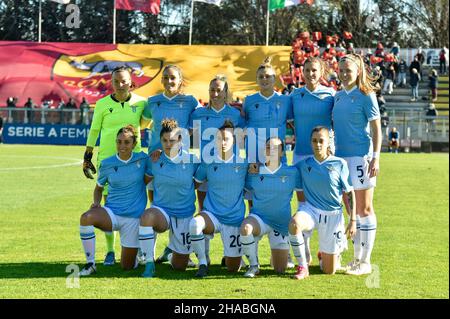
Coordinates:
column 360, row 171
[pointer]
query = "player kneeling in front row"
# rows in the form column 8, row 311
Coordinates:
column 126, row 174
column 173, row 200
column 224, row 207
column 272, row 188
column 323, row 178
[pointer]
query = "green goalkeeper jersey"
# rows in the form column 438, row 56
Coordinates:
column 110, row 116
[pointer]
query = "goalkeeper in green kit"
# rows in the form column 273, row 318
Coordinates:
column 111, row 113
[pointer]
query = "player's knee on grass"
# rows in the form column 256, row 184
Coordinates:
column 233, row 263
column 329, row 264
column 179, row 262
column 128, row 258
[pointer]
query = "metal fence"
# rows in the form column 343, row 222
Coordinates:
column 414, row 126
column 46, row 116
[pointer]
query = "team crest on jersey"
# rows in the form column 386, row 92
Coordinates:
column 181, row 105
column 110, row 110
column 302, row 94
column 115, row 168
column 278, row 105
column 256, row 105
column 215, row 168
column 353, row 99
column 161, row 164
column 261, row 178
column 309, row 168
column 283, row 179
column 237, row 168
column 133, row 108
column 138, row 164
column 183, row 166
column 158, row 103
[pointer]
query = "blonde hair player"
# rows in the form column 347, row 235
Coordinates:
column 355, row 116
column 312, row 106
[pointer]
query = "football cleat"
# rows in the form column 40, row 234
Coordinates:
column 164, row 256
column 88, row 269
column 360, row 269
column 202, row 271
column 302, row 273
column 149, row 271
column 352, row 264
column 110, row 259
column 252, row 272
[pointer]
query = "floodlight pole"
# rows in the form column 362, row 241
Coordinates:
column 192, row 18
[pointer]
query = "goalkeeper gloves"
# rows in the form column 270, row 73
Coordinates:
column 88, row 167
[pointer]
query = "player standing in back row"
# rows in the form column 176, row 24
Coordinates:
column 355, row 115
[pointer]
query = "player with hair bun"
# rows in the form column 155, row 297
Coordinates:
column 266, row 113
column 126, row 173
column 172, row 103
column 272, row 188
column 324, row 178
column 174, row 200
column 355, row 116
column 224, row 207
column 112, row 112
column 209, row 118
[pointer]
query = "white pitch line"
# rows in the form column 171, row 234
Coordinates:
column 78, row 162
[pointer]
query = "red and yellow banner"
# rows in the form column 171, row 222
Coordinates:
column 57, row 71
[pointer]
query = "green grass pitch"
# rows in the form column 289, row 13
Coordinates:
column 43, row 193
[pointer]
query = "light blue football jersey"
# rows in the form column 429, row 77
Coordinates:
column 310, row 109
column 207, row 117
column 225, row 195
column 324, row 183
column 352, row 113
column 127, row 195
column 173, row 182
column 272, row 194
column 268, row 114
column 159, row 107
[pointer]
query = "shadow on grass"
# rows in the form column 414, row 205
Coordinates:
column 163, row 271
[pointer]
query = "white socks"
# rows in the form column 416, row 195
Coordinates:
column 249, row 248
column 147, row 242
column 87, row 236
column 196, row 227
column 368, row 231
column 298, row 248
column 357, row 249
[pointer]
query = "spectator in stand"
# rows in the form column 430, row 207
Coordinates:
column 415, row 65
column 84, row 107
column 12, row 102
column 350, row 48
column 29, row 105
column 443, row 61
column 379, row 52
column 421, row 58
column 433, row 84
column 381, row 102
column 378, row 74
column 70, row 105
column 431, row 114
column 389, row 80
column 402, row 68
column 414, row 82
column 395, row 49
column 394, row 140
column 384, row 119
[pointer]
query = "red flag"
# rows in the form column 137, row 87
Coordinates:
column 149, row 6
column 309, row 2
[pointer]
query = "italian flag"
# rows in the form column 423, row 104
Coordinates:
column 279, row 4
